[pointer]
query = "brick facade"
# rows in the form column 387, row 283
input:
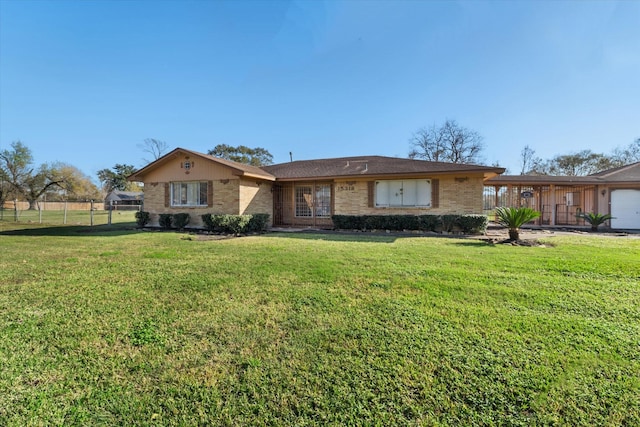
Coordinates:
column 230, row 196
column 457, row 195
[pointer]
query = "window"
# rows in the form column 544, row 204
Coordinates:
column 304, row 202
column 189, row 193
column 310, row 203
column 403, row 193
column 323, row 201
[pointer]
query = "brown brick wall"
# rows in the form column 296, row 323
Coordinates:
column 225, row 201
column 230, row 196
column 255, row 197
column 460, row 196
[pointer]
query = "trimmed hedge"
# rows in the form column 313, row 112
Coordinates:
column 180, row 220
column 165, row 221
column 473, row 224
column 466, row 223
column 258, row 223
column 236, row 224
column 142, row 218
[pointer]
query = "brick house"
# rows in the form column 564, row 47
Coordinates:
column 309, row 192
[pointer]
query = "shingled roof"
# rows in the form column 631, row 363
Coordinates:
column 624, row 174
column 344, row 167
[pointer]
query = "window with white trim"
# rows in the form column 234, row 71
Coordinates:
column 403, row 193
column 189, row 193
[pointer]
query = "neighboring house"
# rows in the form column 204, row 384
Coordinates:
column 124, row 200
column 309, row 192
column 561, row 198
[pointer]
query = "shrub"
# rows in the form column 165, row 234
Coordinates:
column 376, row 222
column 180, row 220
column 348, row 222
column 165, row 221
column 429, row 222
column 448, row 222
column 472, row 224
column 408, row 222
column 142, row 218
column 258, row 223
column 207, row 220
column 235, row 224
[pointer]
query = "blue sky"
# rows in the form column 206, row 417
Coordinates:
column 85, row 82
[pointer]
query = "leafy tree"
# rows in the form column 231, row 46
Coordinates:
column 76, row 186
column 116, row 178
column 5, row 187
column 242, row 154
column 155, row 147
column 514, row 218
column 582, row 163
column 449, row 142
column 31, row 183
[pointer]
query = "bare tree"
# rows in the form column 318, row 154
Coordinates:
column 582, row 163
column 528, row 160
column 155, row 147
column 449, row 142
column 627, row 155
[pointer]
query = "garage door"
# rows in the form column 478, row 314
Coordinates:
column 625, row 208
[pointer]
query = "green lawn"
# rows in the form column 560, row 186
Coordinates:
column 111, row 326
column 57, row 217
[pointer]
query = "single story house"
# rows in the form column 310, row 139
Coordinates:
column 124, row 200
column 560, row 198
column 309, row 192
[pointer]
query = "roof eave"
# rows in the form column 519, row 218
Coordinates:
column 387, row 175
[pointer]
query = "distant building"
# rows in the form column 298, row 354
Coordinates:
column 124, row 200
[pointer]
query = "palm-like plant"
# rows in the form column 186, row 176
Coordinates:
column 595, row 219
column 514, row 218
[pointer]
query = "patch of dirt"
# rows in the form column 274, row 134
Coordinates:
column 206, row 237
column 519, row 242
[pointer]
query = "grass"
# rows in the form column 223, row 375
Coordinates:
column 110, row 326
column 57, row 217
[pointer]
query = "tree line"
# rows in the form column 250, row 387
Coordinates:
column 58, row 181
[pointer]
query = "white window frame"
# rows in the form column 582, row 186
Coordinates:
column 403, row 193
column 189, row 194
